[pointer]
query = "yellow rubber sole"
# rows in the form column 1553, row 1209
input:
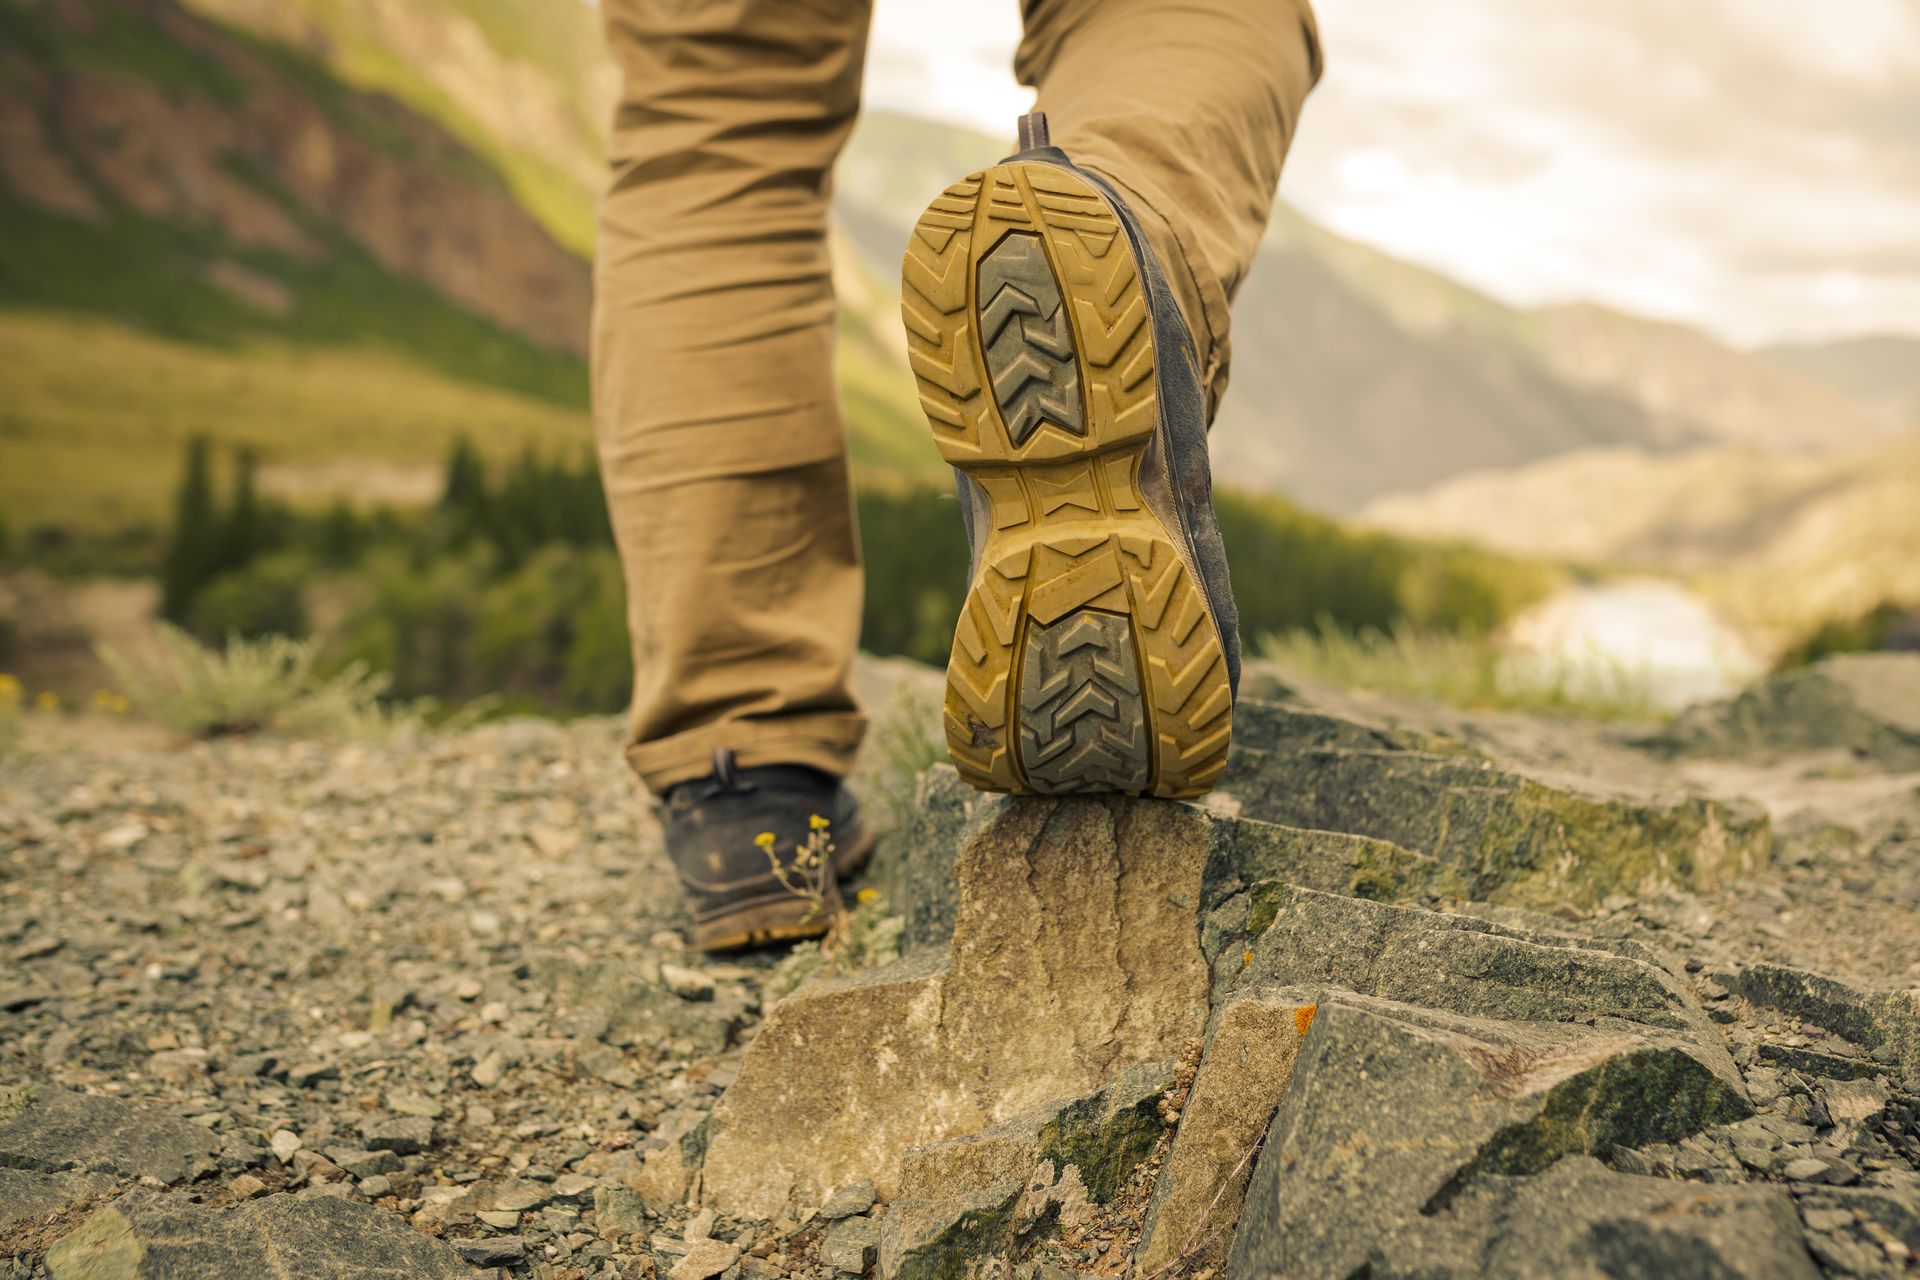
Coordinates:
column 1085, row 658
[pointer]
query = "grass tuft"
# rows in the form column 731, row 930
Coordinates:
column 251, row 685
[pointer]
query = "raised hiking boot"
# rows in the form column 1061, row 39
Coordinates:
column 1098, row 647
column 725, row 832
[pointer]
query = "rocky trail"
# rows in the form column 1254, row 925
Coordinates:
column 1418, row 993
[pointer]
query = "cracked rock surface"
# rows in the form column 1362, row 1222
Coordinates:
column 1418, row 993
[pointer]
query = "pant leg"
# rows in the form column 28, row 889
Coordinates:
column 1187, row 106
column 715, row 406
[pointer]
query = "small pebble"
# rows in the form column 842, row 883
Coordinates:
column 688, row 984
column 284, row 1143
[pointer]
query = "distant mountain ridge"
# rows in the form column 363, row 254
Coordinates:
column 1882, row 371
column 1358, row 375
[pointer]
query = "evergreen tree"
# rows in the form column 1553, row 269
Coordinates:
column 243, row 531
column 466, row 484
column 194, row 544
column 465, row 498
column 340, row 536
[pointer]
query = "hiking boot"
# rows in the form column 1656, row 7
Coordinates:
column 1098, row 648
column 727, row 832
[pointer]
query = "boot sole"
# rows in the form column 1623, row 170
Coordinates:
column 763, row 925
column 1086, row 657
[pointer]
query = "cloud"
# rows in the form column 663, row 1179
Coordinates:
column 948, row 59
column 1750, row 167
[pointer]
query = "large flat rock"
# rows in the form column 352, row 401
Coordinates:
column 1277, row 934
column 1511, row 836
column 149, row 1236
column 25, row 1197
column 1252, row 1043
column 61, row 1129
column 966, row 1199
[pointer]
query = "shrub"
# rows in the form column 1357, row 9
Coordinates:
column 265, row 598
column 207, row 541
column 1292, row 570
column 269, row 683
column 194, row 541
column 916, row 566
column 1467, row 670
column 11, row 697
column 413, row 619
column 1888, row 625
column 549, row 635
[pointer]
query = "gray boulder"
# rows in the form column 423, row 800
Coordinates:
column 1884, row 1023
column 937, row 1239
column 1279, row 935
column 25, row 1197
column 61, row 1129
column 1580, row 1218
column 1394, row 1112
column 1252, row 1042
column 914, row 867
column 1864, row 703
column 1060, row 1162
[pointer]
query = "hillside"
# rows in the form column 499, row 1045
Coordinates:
column 1778, row 542
column 1881, row 371
column 524, row 83
column 400, row 192
column 311, row 229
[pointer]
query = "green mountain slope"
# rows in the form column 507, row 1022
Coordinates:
column 236, row 196
column 524, row 83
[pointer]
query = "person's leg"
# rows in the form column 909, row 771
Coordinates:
column 1187, row 106
column 721, row 444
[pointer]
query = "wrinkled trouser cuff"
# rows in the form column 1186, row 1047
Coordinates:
column 828, row 743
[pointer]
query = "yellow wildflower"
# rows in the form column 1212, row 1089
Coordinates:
column 867, row 895
column 764, row 839
column 818, row 823
column 9, row 688
column 47, row 700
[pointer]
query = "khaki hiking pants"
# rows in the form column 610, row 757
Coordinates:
column 720, row 437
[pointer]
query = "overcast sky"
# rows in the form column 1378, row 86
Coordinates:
column 1751, row 166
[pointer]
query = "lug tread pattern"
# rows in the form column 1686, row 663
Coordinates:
column 1082, row 724
column 1029, row 347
